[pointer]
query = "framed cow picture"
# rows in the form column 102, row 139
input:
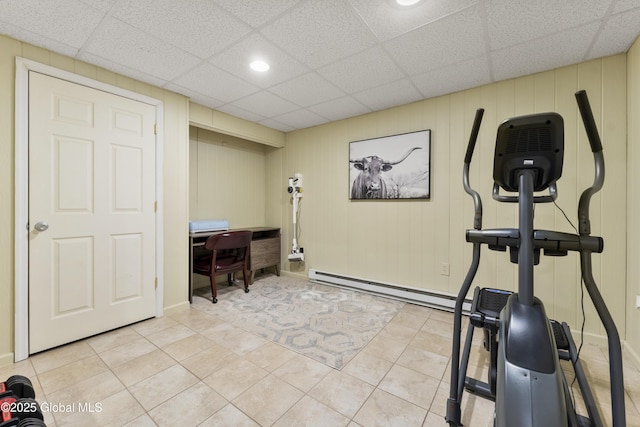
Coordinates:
column 391, row 167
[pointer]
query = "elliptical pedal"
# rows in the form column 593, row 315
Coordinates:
column 562, row 343
column 488, row 303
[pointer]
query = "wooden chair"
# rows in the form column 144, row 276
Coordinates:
column 226, row 252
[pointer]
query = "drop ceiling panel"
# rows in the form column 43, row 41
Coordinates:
column 330, row 59
column 388, row 20
column 196, row 26
column 318, row 33
column 236, row 59
column 257, row 12
column 435, row 46
column 512, row 22
column 125, row 45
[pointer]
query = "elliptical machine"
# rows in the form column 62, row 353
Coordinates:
column 525, row 378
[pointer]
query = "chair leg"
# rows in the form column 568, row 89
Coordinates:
column 214, row 290
column 245, row 277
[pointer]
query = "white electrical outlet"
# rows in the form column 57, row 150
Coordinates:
column 444, row 269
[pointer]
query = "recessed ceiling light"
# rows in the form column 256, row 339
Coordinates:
column 407, row 2
column 260, row 66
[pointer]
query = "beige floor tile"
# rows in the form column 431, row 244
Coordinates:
column 152, row 326
column 410, row 385
column 235, row 377
column 434, row 343
column 127, row 352
column 243, row 342
column 438, row 326
column 112, row 339
column 187, row 347
column 417, row 310
column 309, row 412
column 229, row 416
column 386, row 348
column 162, row 386
column 142, row 421
column 196, row 319
column 398, row 332
column 170, row 335
column 143, row 367
column 61, row 356
column 115, row 410
column 435, row 420
column 190, row 407
column 208, row 361
column 94, row 390
column 302, row 372
column 424, row 361
column 268, row 400
column 386, row 410
column 69, row 375
column 342, row 392
column 368, row 367
column 409, row 320
column 270, row 356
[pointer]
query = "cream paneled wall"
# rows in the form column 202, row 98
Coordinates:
column 175, row 180
column 404, row 242
column 633, row 197
column 227, row 178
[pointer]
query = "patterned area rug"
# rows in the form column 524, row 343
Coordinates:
column 325, row 323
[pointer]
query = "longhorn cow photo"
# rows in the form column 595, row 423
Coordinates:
column 391, row 167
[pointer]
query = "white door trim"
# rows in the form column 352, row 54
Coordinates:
column 21, row 249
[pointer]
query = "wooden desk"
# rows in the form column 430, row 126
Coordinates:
column 265, row 250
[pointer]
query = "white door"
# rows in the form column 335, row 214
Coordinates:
column 92, row 195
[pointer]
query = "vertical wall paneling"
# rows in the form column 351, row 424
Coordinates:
column 382, row 240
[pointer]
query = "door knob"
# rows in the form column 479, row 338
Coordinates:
column 41, row 226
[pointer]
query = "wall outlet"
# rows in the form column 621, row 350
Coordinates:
column 443, row 269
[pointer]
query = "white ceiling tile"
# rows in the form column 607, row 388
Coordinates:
column 317, row 33
column 274, row 124
column 616, row 33
column 543, row 54
column 196, row 26
column 306, row 90
column 300, row 119
column 120, row 69
column 195, row 96
column 356, row 73
column 266, row 104
column 69, row 22
column 623, row 5
column 256, row 12
column 100, row 4
column 240, row 112
column 462, row 75
column 513, row 21
column 388, row 95
column 454, row 38
column 122, row 44
column 236, row 61
column 20, row 33
column 340, row 108
column 388, row 20
column 215, row 83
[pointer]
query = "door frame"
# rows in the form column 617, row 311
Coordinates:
column 21, row 192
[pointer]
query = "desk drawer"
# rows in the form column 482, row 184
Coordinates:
column 265, row 253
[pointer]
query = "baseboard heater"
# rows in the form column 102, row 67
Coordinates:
column 431, row 299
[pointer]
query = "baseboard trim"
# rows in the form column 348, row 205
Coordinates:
column 6, row 359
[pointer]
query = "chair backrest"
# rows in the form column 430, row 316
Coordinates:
column 229, row 240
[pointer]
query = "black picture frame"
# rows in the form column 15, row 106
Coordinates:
column 391, row 167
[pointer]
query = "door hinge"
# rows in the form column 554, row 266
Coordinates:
column 156, row 283
column 155, row 206
column 155, row 128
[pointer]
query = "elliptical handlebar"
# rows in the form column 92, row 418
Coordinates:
column 589, row 122
column 477, row 201
column 596, row 149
